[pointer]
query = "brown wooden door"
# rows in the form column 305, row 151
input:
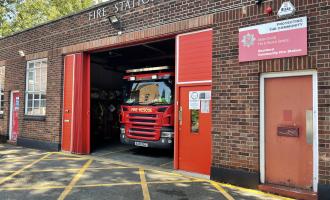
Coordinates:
column 288, row 105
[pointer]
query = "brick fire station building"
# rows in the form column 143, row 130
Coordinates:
column 268, row 123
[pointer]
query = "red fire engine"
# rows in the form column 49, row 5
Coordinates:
column 147, row 114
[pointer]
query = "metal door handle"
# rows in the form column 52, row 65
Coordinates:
column 67, row 121
column 180, row 115
column 309, row 126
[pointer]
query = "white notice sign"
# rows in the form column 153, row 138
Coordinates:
column 205, row 106
column 196, row 97
column 194, row 102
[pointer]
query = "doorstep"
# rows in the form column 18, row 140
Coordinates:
column 12, row 142
column 289, row 192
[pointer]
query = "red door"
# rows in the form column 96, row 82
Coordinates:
column 14, row 116
column 288, row 143
column 195, row 129
column 68, row 103
column 76, row 104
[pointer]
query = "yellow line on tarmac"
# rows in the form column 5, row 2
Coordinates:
column 69, row 154
column 256, row 192
column 75, row 179
column 165, row 164
column 24, row 168
column 221, row 190
column 112, row 152
column 77, row 169
column 66, row 159
column 31, row 188
column 96, row 185
column 144, row 185
column 107, row 184
column 7, row 171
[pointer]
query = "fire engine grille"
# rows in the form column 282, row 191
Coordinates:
column 142, row 130
column 143, row 120
column 142, row 115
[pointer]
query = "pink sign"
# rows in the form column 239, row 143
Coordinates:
column 280, row 39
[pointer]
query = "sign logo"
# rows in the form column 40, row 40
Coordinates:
column 287, row 9
column 248, row 40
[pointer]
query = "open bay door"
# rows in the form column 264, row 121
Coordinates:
column 76, row 104
column 193, row 148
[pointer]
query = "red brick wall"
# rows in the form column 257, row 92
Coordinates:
column 236, row 85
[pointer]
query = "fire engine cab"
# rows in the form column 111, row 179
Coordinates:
column 147, row 114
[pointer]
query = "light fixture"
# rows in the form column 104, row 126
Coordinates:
column 21, row 53
column 115, row 22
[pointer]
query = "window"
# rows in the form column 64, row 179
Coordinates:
column 36, row 86
column 2, row 88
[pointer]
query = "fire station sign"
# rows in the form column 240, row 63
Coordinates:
column 280, row 39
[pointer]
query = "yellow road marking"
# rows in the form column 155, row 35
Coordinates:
column 221, row 190
column 69, row 169
column 69, row 154
column 22, row 169
column 48, row 159
column 112, row 152
column 165, row 164
column 31, row 188
column 75, row 179
column 66, row 159
column 7, row 171
column 256, row 192
column 77, row 169
column 144, row 185
column 96, row 185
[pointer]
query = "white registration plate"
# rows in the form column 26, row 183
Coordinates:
column 141, row 144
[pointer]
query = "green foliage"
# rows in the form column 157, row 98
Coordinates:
column 17, row 15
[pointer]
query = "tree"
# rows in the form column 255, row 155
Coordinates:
column 17, row 15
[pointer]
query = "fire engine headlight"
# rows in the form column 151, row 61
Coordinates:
column 167, row 134
column 122, row 130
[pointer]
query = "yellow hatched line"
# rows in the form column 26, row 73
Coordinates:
column 69, row 169
column 47, row 159
column 162, row 165
column 75, row 179
column 256, row 192
column 112, row 152
column 24, row 168
column 96, row 185
column 221, row 190
column 144, row 185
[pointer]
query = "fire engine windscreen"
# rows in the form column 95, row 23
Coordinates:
column 158, row 92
